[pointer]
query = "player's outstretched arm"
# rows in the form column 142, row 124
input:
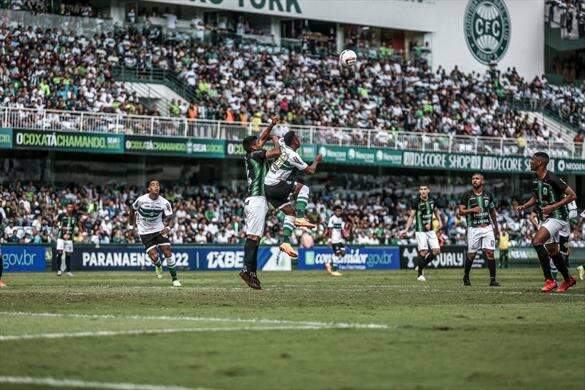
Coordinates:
column 266, row 133
column 276, row 150
column 408, row 223
column 311, row 169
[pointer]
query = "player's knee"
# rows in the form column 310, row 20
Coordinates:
column 436, row 252
column 552, row 250
column 253, row 237
column 537, row 240
column 489, row 255
column 423, row 253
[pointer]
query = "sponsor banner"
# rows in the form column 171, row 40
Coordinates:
column 24, row 258
column 361, row 156
column 235, row 149
column 68, row 141
column 88, row 258
column 450, row 257
column 232, row 258
column 5, row 138
column 569, row 166
column 175, row 146
column 356, row 258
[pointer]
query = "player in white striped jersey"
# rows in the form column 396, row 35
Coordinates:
column 335, row 230
column 280, row 190
column 153, row 216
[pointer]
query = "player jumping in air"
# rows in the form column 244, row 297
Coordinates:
column 422, row 209
column 66, row 224
column 154, row 222
column 335, row 232
column 550, row 195
column 279, row 189
column 482, row 227
column 255, row 205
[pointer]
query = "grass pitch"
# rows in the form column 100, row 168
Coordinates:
column 365, row 330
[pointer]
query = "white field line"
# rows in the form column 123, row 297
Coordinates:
column 140, row 332
column 52, row 382
column 326, row 325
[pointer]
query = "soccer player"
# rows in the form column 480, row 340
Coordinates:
column 422, row 209
column 279, row 189
column 504, row 246
column 478, row 207
column 334, row 231
column 550, row 195
column 154, row 222
column 66, row 224
column 255, row 205
column 577, row 233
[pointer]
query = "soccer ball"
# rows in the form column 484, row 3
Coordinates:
column 347, row 58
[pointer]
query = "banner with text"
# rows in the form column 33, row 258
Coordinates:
column 196, row 258
column 450, row 257
column 361, row 156
column 356, row 258
column 24, row 258
column 169, row 146
column 5, row 138
column 68, row 141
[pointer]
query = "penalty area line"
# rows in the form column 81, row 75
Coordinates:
column 53, row 382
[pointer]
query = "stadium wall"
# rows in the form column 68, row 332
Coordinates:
column 40, row 258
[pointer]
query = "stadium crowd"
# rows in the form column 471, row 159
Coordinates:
column 63, row 8
column 246, row 82
column 209, row 214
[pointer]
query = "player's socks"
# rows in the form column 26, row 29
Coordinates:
column 492, row 268
column 171, row 267
column 424, row 261
column 468, row 264
column 287, row 228
column 544, row 261
column 250, row 252
column 68, row 263
column 561, row 264
column 302, row 201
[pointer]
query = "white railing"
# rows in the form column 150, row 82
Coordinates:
column 53, row 120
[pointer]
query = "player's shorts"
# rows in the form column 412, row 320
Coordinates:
column 556, row 228
column 338, row 248
column 64, row 245
column 255, row 209
column 480, row 238
column 154, row 240
column 278, row 195
column 427, row 240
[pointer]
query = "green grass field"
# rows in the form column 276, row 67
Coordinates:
column 365, row 330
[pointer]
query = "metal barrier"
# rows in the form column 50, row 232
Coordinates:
column 53, row 120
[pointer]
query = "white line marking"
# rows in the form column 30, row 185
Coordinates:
column 52, row 382
column 340, row 325
column 139, row 332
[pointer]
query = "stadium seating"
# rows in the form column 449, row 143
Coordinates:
column 208, row 214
